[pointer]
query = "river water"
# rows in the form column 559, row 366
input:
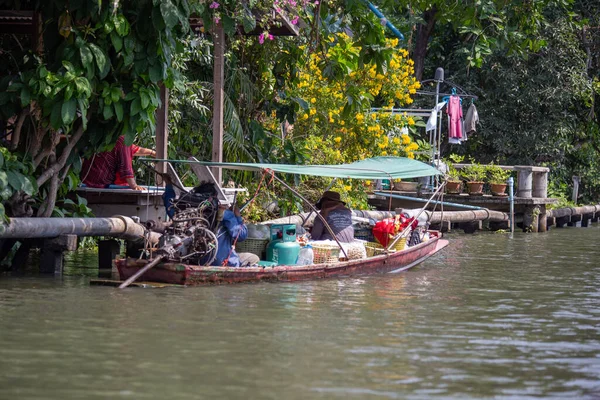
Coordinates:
column 490, row 317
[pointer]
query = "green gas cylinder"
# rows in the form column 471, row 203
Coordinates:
column 283, row 248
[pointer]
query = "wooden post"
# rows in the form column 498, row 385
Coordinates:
column 107, row 252
column 543, row 219
column 162, row 131
column 218, row 84
column 575, row 221
column 575, row 189
column 51, row 259
column 499, row 225
column 562, row 221
column 530, row 219
column 586, row 220
column 37, row 36
column 470, row 227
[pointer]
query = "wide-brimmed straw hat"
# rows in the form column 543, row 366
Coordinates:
column 329, row 195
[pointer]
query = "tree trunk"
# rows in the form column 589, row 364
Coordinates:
column 423, row 33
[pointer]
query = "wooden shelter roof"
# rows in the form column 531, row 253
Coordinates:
column 16, row 22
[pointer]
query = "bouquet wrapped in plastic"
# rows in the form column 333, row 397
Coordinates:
column 385, row 230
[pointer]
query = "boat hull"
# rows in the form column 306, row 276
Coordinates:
column 191, row 275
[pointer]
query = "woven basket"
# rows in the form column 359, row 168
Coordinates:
column 326, row 253
column 254, row 246
column 375, row 249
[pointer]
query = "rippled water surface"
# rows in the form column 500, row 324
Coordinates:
column 490, row 317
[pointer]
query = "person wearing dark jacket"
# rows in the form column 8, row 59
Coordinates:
column 338, row 217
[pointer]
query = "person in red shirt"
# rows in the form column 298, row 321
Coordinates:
column 135, row 151
column 102, row 169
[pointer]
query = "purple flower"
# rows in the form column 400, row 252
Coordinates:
column 217, row 19
column 295, row 20
column 214, row 5
column 270, row 37
column 261, row 38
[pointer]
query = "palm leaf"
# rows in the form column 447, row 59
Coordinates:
column 233, row 135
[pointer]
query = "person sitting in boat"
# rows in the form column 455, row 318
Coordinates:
column 338, row 217
column 232, row 230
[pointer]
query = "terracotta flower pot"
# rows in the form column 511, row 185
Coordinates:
column 453, row 187
column 475, row 188
column 498, row 189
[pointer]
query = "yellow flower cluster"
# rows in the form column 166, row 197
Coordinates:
column 328, row 131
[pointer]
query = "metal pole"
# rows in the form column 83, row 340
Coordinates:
column 401, row 234
column 391, row 26
column 420, row 200
column 511, row 197
column 434, row 140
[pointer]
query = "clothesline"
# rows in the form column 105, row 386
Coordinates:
column 472, row 96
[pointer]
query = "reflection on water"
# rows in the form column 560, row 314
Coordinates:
column 490, row 317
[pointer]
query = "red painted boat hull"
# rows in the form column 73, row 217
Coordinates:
column 183, row 274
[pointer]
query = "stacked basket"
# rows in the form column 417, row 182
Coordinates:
column 326, row 253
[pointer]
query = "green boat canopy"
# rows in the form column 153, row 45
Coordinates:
column 371, row 168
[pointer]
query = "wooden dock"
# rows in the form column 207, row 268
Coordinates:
column 533, row 210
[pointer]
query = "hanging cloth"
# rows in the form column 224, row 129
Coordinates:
column 432, row 121
column 455, row 114
column 471, row 119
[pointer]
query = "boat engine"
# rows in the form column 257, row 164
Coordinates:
column 191, row 236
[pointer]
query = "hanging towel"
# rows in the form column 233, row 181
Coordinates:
column 471, row 119
column 455, row 114
column 432, row 121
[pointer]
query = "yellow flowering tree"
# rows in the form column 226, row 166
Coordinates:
column 336, row 121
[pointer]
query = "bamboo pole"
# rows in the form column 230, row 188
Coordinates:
column 405, row 230
column 140, row 272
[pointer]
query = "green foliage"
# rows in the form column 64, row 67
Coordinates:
column 474, row 172
column 477, row 28
column 496, row 174
column 97, row 78
column 561, row 191
column 74, row 209
column 14, row 177
column 537, row 110
column 452, row 174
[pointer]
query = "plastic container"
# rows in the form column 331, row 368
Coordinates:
column 306, row 255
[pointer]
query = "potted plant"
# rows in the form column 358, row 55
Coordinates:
column 497, row 177
column 475, row 175
column 453, row 178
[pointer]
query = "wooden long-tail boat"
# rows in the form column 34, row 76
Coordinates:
column 191, row 275
column 169, row 265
